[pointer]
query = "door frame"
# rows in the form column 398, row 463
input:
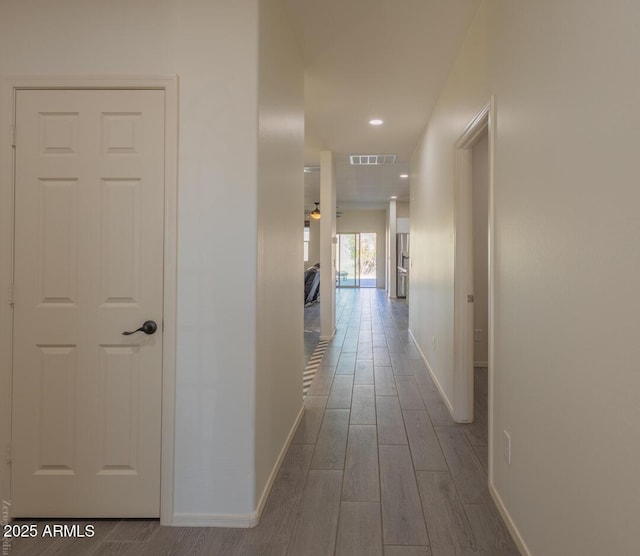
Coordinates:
column 463, row 375
column 8, row 90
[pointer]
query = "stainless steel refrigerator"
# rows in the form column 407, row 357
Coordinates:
column 402, row 267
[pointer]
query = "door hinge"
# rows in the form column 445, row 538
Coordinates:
column 13, row 136
column 470, row 298
column 7, row 453
column 11, row 295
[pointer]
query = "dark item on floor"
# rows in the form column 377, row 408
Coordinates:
column 311, row 284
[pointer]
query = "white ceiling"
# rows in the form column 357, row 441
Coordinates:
column 367, row 59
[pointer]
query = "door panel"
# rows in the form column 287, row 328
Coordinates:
column 89, row 234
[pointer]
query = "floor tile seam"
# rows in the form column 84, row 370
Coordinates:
column 456, row 488
column 344, row 466
column 344, row 475
column 482, row 444
column 462, row 504
column 407, row 546
column 145, row 541
column 341, row 469
column 493, row 510
column 426, row 405
column 415, row 478
column 123, row 521
column 94, row 550
column 393, row 444
column 477, row 459
column 400, row 402
column 299, row 513
column 315, row 444
column 379, row 478
column 446, row 461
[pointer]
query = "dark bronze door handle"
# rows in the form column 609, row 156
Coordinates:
column 149, row 327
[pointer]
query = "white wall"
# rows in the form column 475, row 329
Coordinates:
column 368, row 221
column 432, row 231
column 327, row 245
column 279, row 325
column 213, row 46
column 480, row 211
column 566, row 373
column 402, row 209
column 403, row 225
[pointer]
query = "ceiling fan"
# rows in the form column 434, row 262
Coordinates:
column 308, row 212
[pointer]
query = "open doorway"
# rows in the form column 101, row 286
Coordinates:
column 311, row 287
column 356, row 261
column 472, row 272
column 480, row 228
column 480, row 245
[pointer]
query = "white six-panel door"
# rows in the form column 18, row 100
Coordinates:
column 89, row 183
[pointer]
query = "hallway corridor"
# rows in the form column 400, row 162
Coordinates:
column 376, row 468
column 389, row 472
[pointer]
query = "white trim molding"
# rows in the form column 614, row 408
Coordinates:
column 433, row 376
column 274, row 472
column 485, row 119
column 492, row 131
column 9, row 85
column 463, row 268
column 240, row 521
column 515, row 533
column 328, row 338
column 463, row 362
column 236, row 521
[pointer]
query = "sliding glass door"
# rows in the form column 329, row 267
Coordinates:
column 356, row 262
column 348, row 262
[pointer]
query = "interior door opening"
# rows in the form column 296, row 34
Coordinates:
column 473, row 169
column 356, row 264
column 480, row 273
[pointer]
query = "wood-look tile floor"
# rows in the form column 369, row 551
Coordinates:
column 377, row 467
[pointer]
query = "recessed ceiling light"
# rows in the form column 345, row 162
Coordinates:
column 376, row 122
column 404, row 176
column 394, row 196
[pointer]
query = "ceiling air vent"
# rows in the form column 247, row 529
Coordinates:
column 372, row 159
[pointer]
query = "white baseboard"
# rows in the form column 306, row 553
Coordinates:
column 441, row 391
column 213, row 520
column 244, row 521
column 274, row 472
column 517, row 537
column 328, row 338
